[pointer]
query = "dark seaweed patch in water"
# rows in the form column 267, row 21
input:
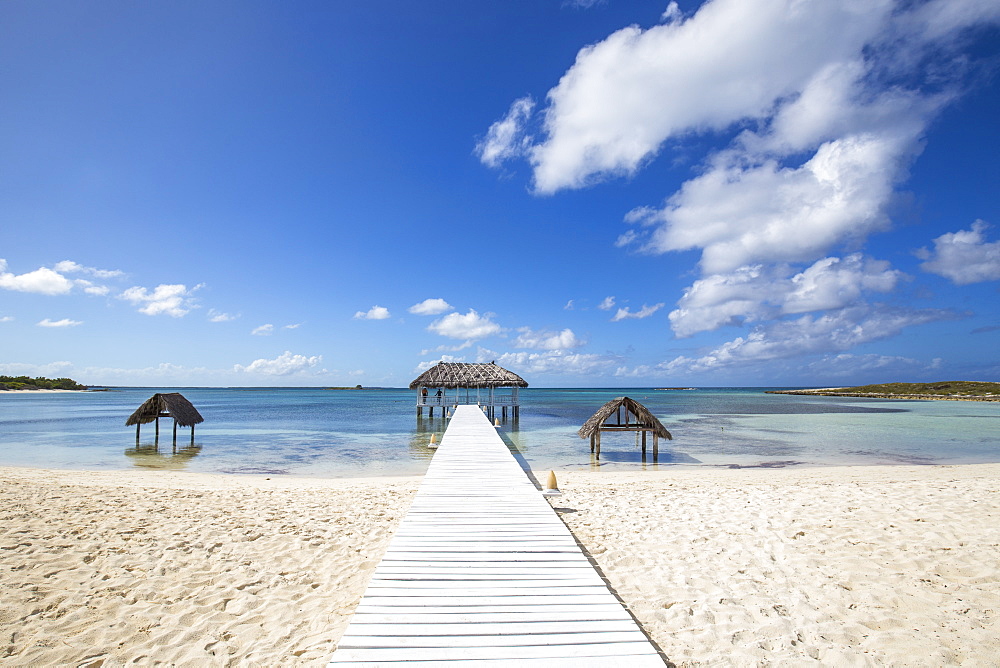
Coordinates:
column 898, row 457
column 977, row 417
column 805, row 409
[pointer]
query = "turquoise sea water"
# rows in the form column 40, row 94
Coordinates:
column 349, row 433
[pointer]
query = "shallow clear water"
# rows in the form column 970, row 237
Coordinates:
column 345, row 433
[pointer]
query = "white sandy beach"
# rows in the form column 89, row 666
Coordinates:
column 851, row 566
column 185, row 569
column 835, row 566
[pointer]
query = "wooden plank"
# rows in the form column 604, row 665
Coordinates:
column 496, row 641
column 408, row 542
column 484, row 583
column 586, row 611
column 451, row 588
column 618, row 651
column 461, row 566
column 451, row 601
column 436, row 618
column 482, row 628
column 475, row 580
column 511, row 556
column 549, row 662
column 480, row 568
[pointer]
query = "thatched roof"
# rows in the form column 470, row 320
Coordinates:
column 467, row 374
column 643, row 418
column 172, row 403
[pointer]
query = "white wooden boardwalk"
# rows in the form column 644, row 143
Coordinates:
column 482, row 570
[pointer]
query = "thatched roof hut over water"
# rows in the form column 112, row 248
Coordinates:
column 467, row 376
column 170, row 405
column 637, row 418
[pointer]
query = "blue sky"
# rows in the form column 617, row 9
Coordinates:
column 735, row 192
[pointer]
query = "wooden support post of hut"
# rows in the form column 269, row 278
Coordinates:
column 169, row 405
column 450, row 384
column 637, row 419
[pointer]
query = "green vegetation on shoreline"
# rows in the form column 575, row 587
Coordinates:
column 954, row 390
column 40, row 383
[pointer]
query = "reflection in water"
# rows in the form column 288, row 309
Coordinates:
column 420, row 439
column 150, row 457
column 647, row 461
column 626, row 448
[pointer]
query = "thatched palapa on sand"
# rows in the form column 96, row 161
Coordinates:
column 641, row 421
column 468, row 376
column 169, row 404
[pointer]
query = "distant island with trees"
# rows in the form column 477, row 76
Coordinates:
column 40, row 383
column 952, row 390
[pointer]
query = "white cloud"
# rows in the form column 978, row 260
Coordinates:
column 626, row 313
column 41, row 281
column 374, row 313
column 49, row 370
column 70, row 267
column 732, row 60
column 263, row 330
column 568, row 306
column 556, row 362
column 672, row 13
column 964, row 257
column 846, row 365
column 471, row 326
column 755, row 293
column 744, row 210
column 284, row 364
column 834, row 282
column 65, row 322
column 52, row 281
column 173, row 300
column 724, row 299
column 435, row 306
column 607, row 304
column 447, row 348
column 295, row 325
column 424, row 366
column 91, row 289
column 544, row 340
column 506, row 138
column 218, row 316
column 7, row 318
column 832, row 332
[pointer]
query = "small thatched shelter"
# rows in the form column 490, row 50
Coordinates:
column 637, row 418
column 486, row 379
column 168, row 405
